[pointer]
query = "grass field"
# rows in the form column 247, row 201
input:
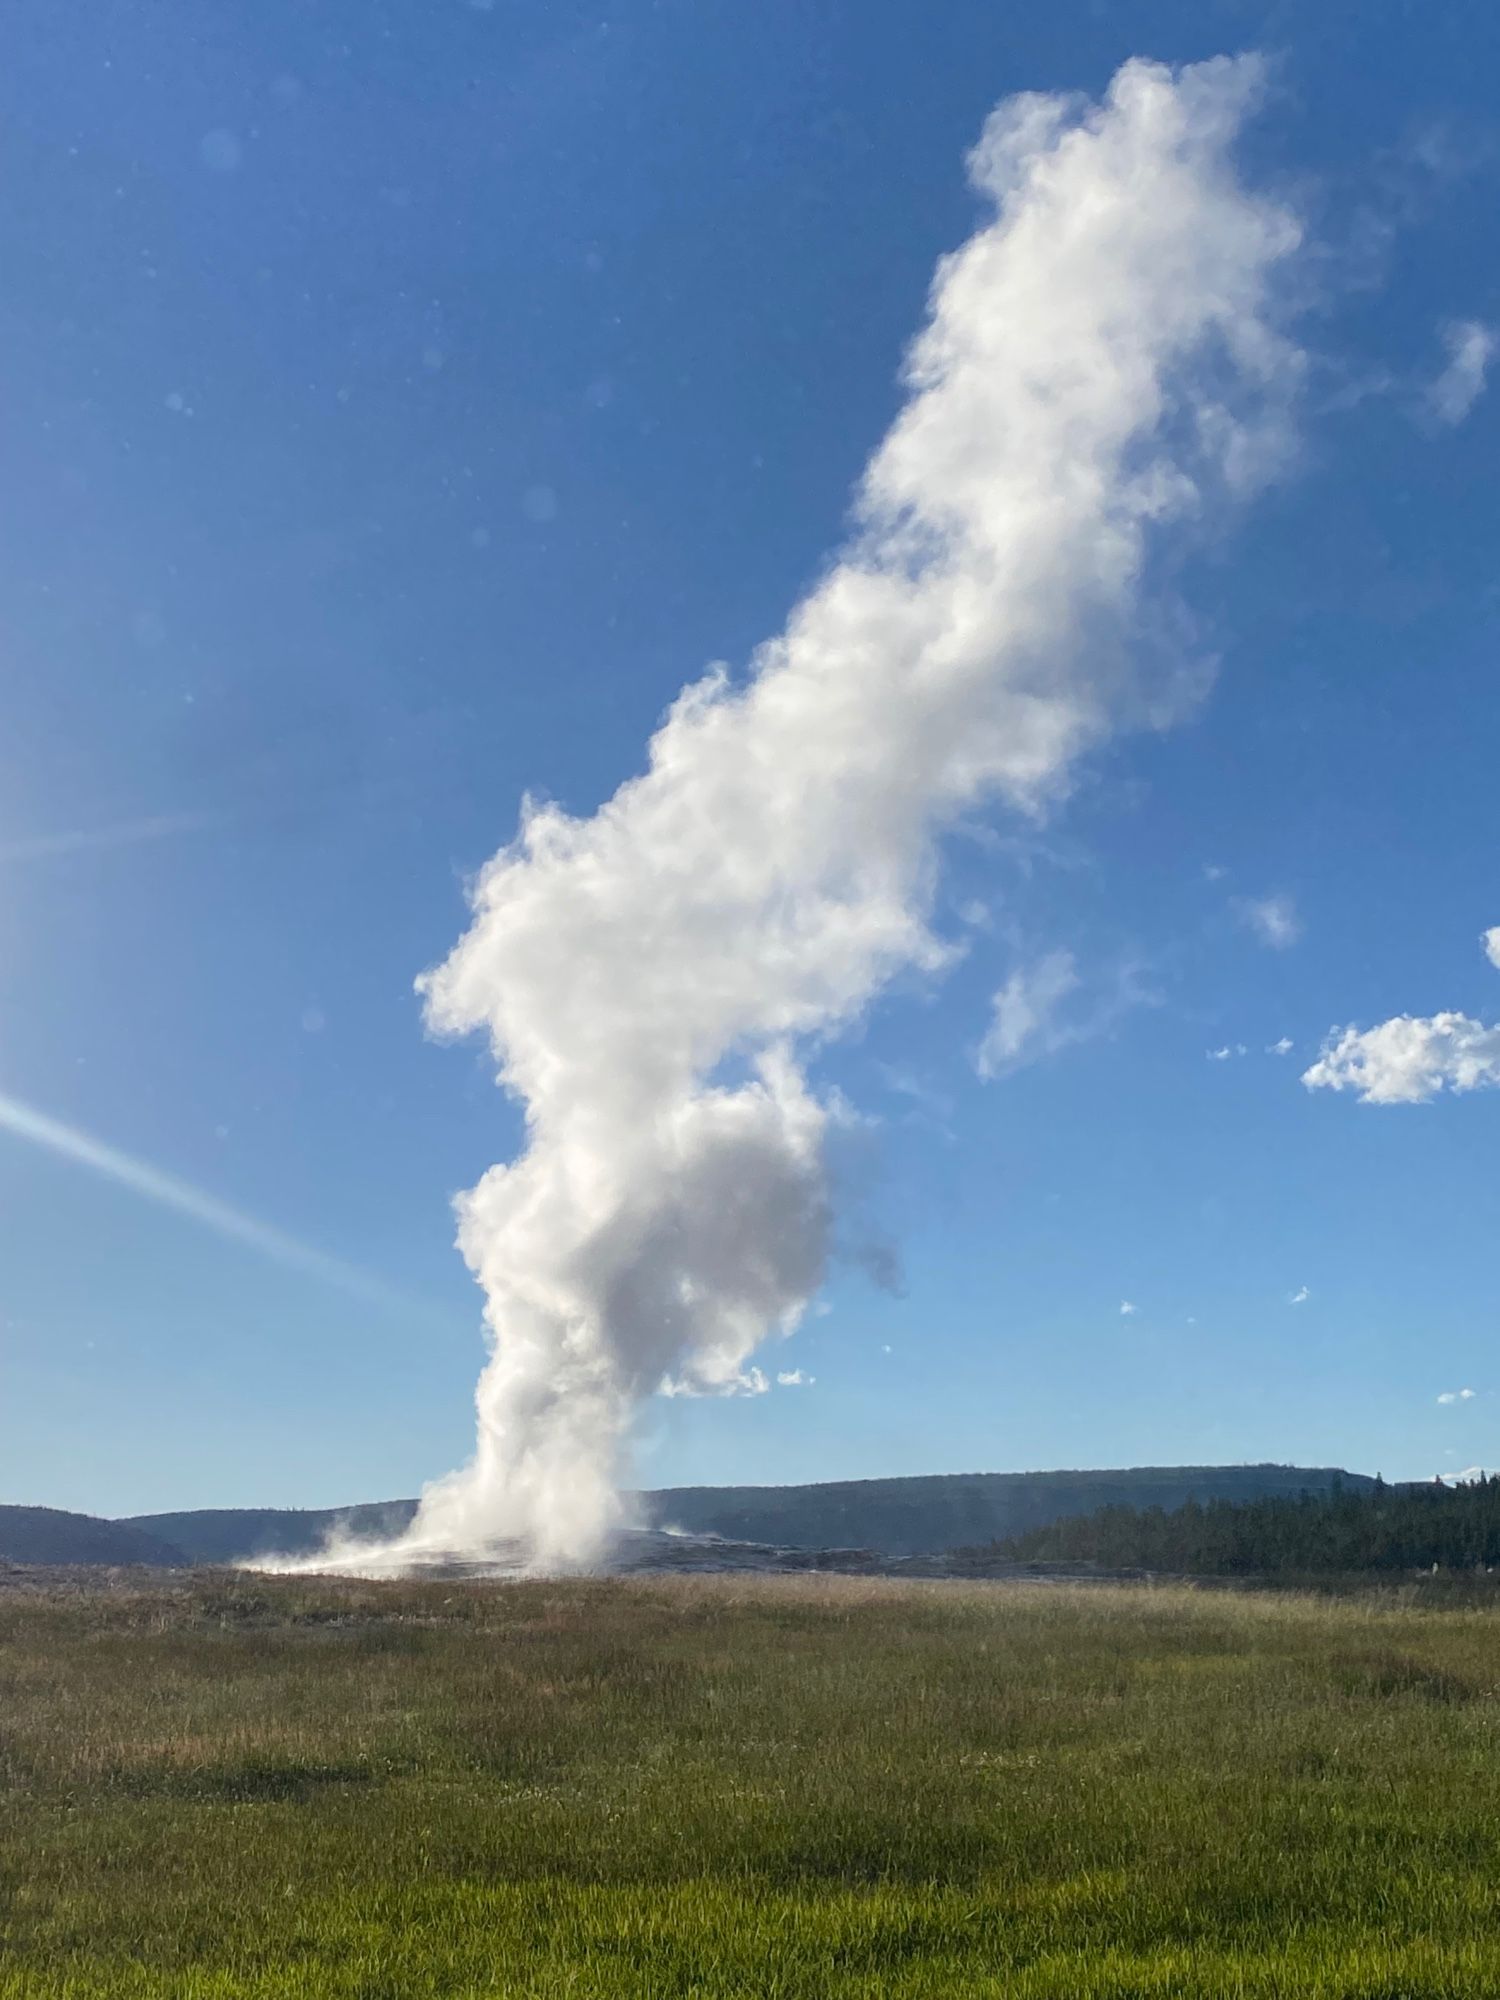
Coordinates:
column 789, row 1786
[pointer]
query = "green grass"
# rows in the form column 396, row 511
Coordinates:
column 790, row 1786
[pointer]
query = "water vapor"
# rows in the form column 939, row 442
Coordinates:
column 1100, row 358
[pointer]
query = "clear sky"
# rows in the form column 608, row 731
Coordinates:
column 398, row 404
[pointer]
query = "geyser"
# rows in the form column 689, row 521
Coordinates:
column 1100, row 359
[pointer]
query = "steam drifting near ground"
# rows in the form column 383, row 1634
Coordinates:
column 1100, row 358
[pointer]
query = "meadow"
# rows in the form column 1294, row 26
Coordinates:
column 766, row 1787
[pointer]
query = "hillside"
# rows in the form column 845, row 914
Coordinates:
column 896, row 1516
column 50, row 1535
column 229, row 1534
column 914, row 1516
column 1372, row 1528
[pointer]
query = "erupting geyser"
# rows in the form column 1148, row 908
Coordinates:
column 1100, row 358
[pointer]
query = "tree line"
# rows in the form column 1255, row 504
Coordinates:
column 1380, row 1527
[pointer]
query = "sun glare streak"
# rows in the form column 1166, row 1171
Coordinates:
column 38, row 1128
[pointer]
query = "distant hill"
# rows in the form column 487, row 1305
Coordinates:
column 897, row 1516
column 958, row 1510
column 50, row 1535
column 231, row 1534
column 1368, row 1529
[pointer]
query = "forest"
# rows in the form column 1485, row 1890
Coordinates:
column 1379, row 1527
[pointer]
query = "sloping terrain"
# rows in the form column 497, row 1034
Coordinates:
column 897, row 1517
column 51, row 1535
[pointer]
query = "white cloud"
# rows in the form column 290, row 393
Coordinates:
column 1045, row 1007
column 1454, row 392
column 1469, row 1475
column 1025, row 1018
column 1273, row 919
column 1491, row 942
column 1282, row 1048
column 1101, row 358
column 1300, row 1297
column 794, row 1378
column 1126, row 1308
column 1458, row 1395
column 1212, row 872
column 1228, row 1050
column 885, row 1347
column 1408, row 1060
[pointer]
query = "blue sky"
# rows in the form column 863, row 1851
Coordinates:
column 399, row 406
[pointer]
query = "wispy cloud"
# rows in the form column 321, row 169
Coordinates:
column 1458, row 1395
column 795, row 1378
column 1300, row 1297
column 1282, row 1048
column 1490, row 939
column 69, row 1142
column 1047, row 1006
column 121, row 833
column 936, row 1104
column 1273, row 919
column 1025, row 1014
column 1226, row 1052
column 1126, row 1308
column 1454, row 392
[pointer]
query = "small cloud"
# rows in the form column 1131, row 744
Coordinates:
column 1273, row 919
column 1032, row 1016
column 1213, row 873
column 1220, row 1055
column 885, row 1347
column 1300, row 1297
column 1408, row 1060
column 1411, row 1058
column 1024, row 1020
column 1191, row 1321
column 1126, row 1308
column 936, row 1104
column 1281, row 1048
column 1458, row 1395
column 793, row 1378
column 1454, row 392
column 1468, row 1476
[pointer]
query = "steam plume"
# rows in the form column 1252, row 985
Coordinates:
column 1098, row 357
